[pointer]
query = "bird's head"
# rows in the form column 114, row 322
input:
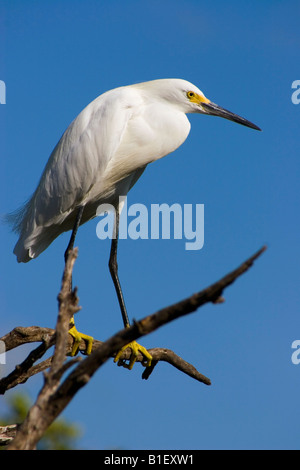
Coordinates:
column 197, row 103
column 189, row 99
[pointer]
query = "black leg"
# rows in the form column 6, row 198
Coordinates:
column 73, row 235
column 113, row 268
column 74, row 231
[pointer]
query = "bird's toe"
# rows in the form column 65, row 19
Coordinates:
column 135, row 350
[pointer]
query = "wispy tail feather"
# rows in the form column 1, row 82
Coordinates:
column 33, row 239
column 16, row 218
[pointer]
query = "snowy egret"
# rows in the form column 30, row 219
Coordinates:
column 100, row 157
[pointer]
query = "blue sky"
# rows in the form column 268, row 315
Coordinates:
column 56, row 57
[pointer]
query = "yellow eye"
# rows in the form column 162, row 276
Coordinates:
column 190, row 94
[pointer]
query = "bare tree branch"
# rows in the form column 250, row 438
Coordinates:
column 7, row 433
column 55, row 396
column 23, row 335
column 26, row 369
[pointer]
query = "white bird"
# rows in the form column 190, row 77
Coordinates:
column 100, row 157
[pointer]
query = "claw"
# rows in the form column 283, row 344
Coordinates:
column 135, row 348
column 77, row 339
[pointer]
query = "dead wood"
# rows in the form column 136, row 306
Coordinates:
column 57, row 393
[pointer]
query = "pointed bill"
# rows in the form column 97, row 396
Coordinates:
column 215, row 110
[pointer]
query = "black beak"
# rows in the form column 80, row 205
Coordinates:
column 215, row 110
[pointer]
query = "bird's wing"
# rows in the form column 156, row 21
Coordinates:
column 79, row 159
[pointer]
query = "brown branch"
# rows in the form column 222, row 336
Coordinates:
column 212, row 294
column 7, row 433
column 54, row 397
column 68, row 306
column 23, row 335
column 39, row 418
column 26, row 369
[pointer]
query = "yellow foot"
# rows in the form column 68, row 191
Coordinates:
column 78, row 337
column 135, row 348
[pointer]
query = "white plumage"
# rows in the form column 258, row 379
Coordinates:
column 104, row 151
